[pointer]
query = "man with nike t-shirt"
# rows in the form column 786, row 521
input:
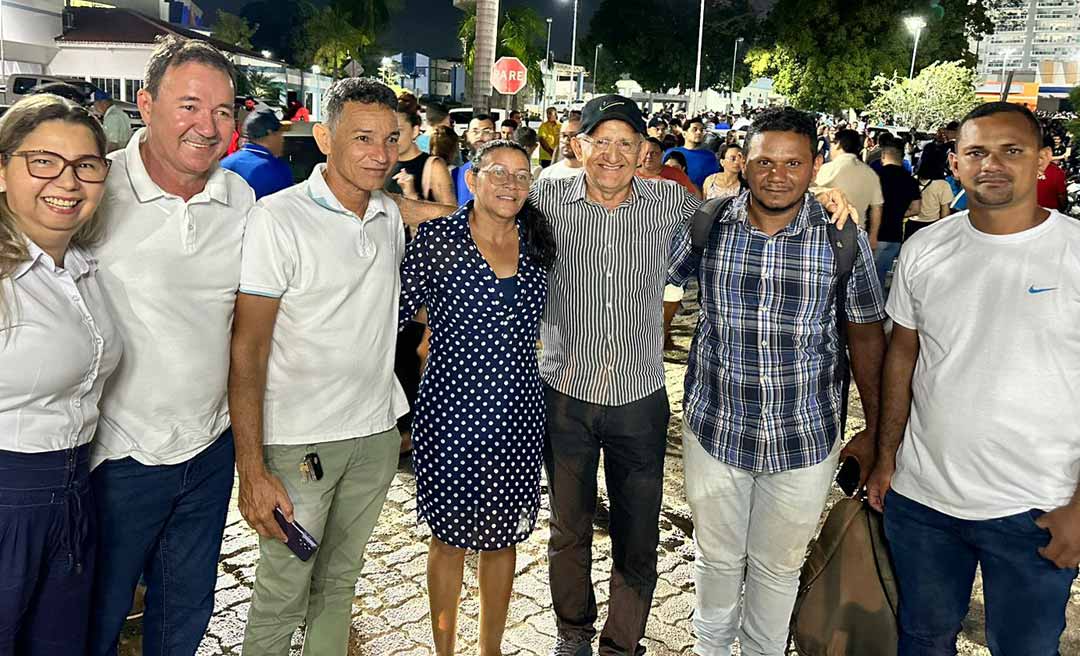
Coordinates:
column 983, row 370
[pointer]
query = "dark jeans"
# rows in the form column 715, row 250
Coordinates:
column 46, row 552
column 632, row 440
column 168, row 521
column 935, row 555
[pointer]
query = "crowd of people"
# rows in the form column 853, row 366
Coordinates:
column 164, row 324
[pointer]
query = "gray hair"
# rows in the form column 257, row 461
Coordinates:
column 365, row 90
column 172, row 50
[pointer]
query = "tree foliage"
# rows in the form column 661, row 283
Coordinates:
column 521, row 34
column 940, row 93
column 823, row 54
column 281, row 28
column 331, row 40
column 258, row 85
column 234, row 29
column 660, row 51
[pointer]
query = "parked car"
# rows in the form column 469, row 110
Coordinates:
column 22, row 84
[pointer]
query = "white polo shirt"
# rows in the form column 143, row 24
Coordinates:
column 331, row 370
column 58, row 344
column 995, row 398
column 170, row 270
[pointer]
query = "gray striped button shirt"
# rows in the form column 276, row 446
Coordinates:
column 602, row 328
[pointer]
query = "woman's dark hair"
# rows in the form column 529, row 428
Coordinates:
column 536, row 231
column 406, row 110
column 678, row 157
column 933, row 165
column 722, row 153
column 445, row 143
column 669, row 141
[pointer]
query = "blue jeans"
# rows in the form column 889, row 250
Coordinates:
column 934, row 556
column 168, row 521
column 46, row 552
column 884, row 254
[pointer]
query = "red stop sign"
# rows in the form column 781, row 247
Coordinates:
column 508, row 75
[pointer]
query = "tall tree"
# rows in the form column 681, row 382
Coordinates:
column 661, row 51
column 331, row 40
column 278, row 28
column 521, row 34
column 233, row 29
column 825, row 53
column 940, row 93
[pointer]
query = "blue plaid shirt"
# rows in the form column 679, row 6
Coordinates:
column 762, row 392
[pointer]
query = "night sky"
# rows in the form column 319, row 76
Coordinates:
column 430, row 26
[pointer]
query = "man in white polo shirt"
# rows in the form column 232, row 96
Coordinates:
column 312, row 388
column 170, row 265
column 982, row 386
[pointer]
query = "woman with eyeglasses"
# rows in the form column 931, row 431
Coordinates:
column 478, row 427
column 58, row 345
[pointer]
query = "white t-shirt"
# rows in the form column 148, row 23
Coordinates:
column 331, row 370
column 560, row 169
column 995, row 412
column 170, row 270
column 58, row 345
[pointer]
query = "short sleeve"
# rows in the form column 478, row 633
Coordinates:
column 944, row 194
column 683, row 262
column 269, row 256
column 865, row 302
column 415, row 275
column 901, row 305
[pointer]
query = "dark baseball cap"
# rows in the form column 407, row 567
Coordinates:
column 263, row 122
column 611, row 107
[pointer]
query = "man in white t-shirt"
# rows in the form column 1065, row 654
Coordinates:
column 980, row 430
column 312, row 388
column 568, row 165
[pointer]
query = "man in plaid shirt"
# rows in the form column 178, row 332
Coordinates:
column 763, row 399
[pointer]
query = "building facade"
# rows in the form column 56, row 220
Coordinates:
column 1037, row 40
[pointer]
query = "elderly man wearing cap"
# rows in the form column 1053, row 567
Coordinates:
column 259, row 160
column 116, row 123
column 603, row 370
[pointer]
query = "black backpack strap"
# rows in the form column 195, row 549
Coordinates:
column 703, row 220
column 845, row 247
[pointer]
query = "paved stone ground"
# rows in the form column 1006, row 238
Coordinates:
column 390, row 614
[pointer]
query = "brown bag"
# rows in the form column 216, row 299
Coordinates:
column 847, row 598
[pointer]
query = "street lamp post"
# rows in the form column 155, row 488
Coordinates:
column 548, row 61
column 1004, row 62
column 734, row 59
column 700, row 33
column 317, row 102
column 595, row 63
column 573, row 44
column 915, row 25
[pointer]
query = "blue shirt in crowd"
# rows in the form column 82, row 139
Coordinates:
column 464, row 195
column 265, row 173
column 762, row 393
column 700, row 163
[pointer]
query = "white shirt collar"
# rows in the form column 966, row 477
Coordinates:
column 320, row 192
column 77, row 263
column 147, row 190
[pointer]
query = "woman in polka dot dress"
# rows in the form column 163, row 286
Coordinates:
column 478, row 428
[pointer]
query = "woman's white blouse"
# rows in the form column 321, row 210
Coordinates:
column 58, row 346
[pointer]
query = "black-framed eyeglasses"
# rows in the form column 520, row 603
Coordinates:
column 47, row 165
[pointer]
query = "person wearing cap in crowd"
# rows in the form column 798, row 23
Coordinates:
column 603, row 370
column 116, row 123
column 259, row 161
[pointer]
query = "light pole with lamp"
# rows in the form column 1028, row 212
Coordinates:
column 595, row 63
column 915, row 25
column 549, row 62
column 734, row 59
column 1005, row 62
column 573, row 48
column 317, row 101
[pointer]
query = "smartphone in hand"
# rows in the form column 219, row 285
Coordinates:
column 299, row 540
column 848, row 478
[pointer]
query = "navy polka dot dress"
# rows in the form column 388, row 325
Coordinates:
column 478, row 426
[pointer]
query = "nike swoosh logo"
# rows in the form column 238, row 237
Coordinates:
column 1035, row 290
column 608, row 106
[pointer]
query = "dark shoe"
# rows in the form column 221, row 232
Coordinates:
column 571, row 647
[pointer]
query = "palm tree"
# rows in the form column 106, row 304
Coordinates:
column 486, row 21
column 332, row 40
column 368, row 16
column 520, row 35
